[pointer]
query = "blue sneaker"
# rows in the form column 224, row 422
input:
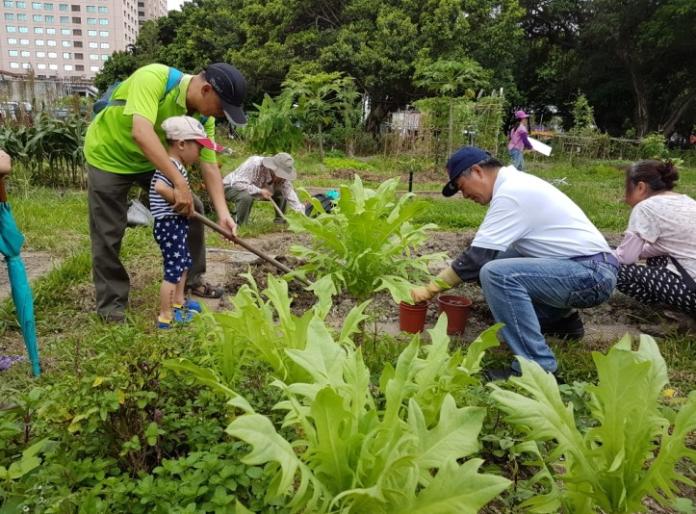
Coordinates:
column 192, row 305
column 181, row 317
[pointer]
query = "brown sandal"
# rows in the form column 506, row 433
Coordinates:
column 206, row 290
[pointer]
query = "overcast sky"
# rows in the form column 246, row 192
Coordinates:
column 174, row 4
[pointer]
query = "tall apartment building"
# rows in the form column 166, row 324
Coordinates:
column 65, row 40
column 151, row 10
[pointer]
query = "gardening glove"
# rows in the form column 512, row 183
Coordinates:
column 446, row 279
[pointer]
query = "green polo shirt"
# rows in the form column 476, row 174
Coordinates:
column 109, row 144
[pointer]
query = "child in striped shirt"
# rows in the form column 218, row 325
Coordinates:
column 185, row 137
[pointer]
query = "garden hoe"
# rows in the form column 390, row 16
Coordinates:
column 220, row 230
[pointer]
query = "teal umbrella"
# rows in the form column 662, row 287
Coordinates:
column 11, row 241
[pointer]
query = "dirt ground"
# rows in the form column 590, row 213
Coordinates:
column 36, row 263
column 603, row 324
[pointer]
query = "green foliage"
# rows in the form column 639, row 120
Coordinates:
column 583, row 115
column 272, row 128
column 344, row 453
column 323, row 99
column 629, row 451
column 654, row 146
column 367, row 243
column 50, row 149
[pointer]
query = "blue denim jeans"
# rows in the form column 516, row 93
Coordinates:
column 521, row 292
column 517, row 157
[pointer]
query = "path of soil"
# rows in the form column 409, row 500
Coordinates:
column 36, row 263
column 604, row 324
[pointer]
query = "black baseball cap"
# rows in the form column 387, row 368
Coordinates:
column 459, row 162
column 229, row 83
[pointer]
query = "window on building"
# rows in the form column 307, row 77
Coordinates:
column 63, row 7
column 66, row 32
column 92, row 33
column 103, row 9
column 26, row 53
column 24, row 42
column 52, row 66
column 24, row 30
column 49, row 18
column 104, row 45
column 21, row 16
column 91, row 8
column 77, row 32
column 79, row 67
column 37, row 5
column 66, row 55
column 10, row 28
column 68, row 67
column 79, row 56
column 39, row 42
column 48, row 6
column 38, row 30
column 41, row 54
column 51, row 42
column 11, row 41
column 26, row 65
column 93, row 44
column 52, row 55
column 64, row 19
column 50, row 30
column 75, row 8
column 14, row 65
column 21, row 4
column 41, row 66
column 141, row 4
column 76, row 19
column 37, row 17
column 9, row 16
column 13, row 53
column 94, row 68
column 91, row 21
column 77, row 44
column 104, row 33
column 103, row 21
column 105, row 57
column 93, row 57
column 66, row 44
column 8, row 3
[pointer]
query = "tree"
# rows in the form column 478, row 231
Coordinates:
column 451, row 79
column 320, row 98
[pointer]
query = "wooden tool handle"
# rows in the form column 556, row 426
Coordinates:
column 3, row 193
column 220, row 230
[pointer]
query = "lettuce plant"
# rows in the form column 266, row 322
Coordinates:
column 367, row 243
column 628, row 454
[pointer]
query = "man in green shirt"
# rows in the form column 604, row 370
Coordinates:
column 124, row 146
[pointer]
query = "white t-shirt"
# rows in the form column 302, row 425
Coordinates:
column 531, row 216
column 666, row 221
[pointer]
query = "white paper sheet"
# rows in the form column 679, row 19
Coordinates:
column 540, row 147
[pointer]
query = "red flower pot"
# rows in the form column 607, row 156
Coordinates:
column 412, row 317
column 457, row 310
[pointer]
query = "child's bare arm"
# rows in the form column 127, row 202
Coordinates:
column 164, row 191
column 5, row 163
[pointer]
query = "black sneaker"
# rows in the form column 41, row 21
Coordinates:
column 499, row 374
column 568, row 328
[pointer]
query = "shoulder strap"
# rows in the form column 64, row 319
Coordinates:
column 173, row 78
column 690, row 283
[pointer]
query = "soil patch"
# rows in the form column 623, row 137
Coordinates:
column 37, row 265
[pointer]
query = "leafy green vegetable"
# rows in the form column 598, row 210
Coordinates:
column 367, row 243
column 632, row 450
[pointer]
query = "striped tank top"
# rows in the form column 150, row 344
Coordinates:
column 159, row 207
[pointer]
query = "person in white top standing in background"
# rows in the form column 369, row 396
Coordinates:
column 660, row 230
column 518, row 141
column 263, row 178
column 536, row 254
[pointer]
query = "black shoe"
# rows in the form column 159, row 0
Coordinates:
column 568, row 328
column 499, row 374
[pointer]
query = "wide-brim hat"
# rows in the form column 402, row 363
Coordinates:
column 521, row 115
column 282, row 165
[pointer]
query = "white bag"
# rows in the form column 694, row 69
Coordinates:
column 139, row 215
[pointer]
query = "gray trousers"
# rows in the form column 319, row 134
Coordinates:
column 107, row 199
column 243, row 202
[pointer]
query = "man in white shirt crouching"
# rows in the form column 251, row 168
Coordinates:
column 536, row 254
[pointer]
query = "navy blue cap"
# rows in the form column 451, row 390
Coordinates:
column 459, row 162
column 230, row 85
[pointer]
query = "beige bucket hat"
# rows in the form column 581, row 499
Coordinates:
column 282, row 164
